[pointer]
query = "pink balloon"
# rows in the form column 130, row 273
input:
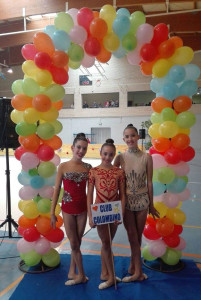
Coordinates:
column 29, row 160
column 182, row 244
column 181, row 169
column 24, row 246
column 145, row 33
column 29, row 51
column 55, row 245
column 159, row 198
column 73, row 13
column 27, row 193
column 184, row 195
column 88, row 61
column 171, row 200
column 56, row 160
column 158, row 161
column 46, row 191
column 42, row 245
column 78, row 34
column 157, row 248
column 133, row 57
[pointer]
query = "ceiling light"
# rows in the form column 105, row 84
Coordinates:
column 10, row 70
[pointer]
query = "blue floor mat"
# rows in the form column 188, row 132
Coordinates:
column 184, row 284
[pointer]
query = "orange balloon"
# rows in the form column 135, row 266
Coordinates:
column 58, row 105
column 55, row 142
column 30, row 142
column 146, row 67
column 60, row 59
column 180, row 141
column 25, row 222
column 182, row 103
column 98, row 28
column 41, row 102
column 159, row 103
column 178, row 42
column 104, row 55
column 43, row 43
column 161, row 144
column 164, row 226
column 43, row 225
column 59, row 221
column 96, row 14
column 21, row 102
column 166, row 49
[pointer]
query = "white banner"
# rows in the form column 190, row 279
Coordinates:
column 104, row 213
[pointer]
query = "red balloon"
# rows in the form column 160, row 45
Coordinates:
column 160, row 34
column 42, row 60
column 150, row 221
column 59, row 75
column 19, row 151
column 172, row 240
column 188, row 154
column 178, row 229
column 150, row 232
column 45, row 153
column 84, row 17
column 173, row 156
column 21, row 230
column 29, row 51
column 31, row 234
column 152, row 150
column 55, row 235
column 92, row 46
column 148, row 52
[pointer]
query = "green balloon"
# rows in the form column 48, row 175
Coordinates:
column 33, row 172
column 168, row 114
column 76, row 53
column 17, row 87
column 45, row 131
column 32, row 258
column 25, row 129
column 136, row 19
column 166, row 175
column 74, row 64
column 30, row 87
column 57, row 126
column 63, row 21
column 129, row 42
column 155, row 175
column 44, row 205
column 171, row 257
column 186, row 119
column 51, row 258
column 46, row 169
column 55, row 92
column 146, row 254
column 156, row 118
column 37, row 199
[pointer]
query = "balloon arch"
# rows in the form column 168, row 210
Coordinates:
column 78, row 37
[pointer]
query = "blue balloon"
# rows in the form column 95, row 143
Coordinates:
column 37, row 182
column 170, row 90
column 177, row 73
column 192, row 72
column 24, row 178
column 50, row 30
column 50, row 180
column 157, row 84
column 61, row 40
column 178, row 185
column 121, row 25
column 123, row 11
column 188, row 88
column 158, row 188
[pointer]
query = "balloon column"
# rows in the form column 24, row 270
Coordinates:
column 78, row 37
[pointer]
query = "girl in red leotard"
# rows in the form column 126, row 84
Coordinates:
column 74, row 175
column 109, row 182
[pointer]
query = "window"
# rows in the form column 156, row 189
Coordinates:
column 68, row 101
column 100, row 100
column 100, row 135
column 140, row 98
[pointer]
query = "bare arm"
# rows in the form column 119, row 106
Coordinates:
column 117, row 161
column 152, row 209
column 122, row 194
column 56, row 196
column 90, row 202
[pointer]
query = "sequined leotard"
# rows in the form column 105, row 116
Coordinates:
column 74, row 200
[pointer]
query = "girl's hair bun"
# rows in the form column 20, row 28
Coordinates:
column 81, row 135
column 109, row 141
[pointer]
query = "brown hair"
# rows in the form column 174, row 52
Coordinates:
column 108, row 142
column 80, row 137
column 130, row 126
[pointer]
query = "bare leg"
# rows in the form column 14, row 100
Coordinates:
column 74, row 226
column 134, row 223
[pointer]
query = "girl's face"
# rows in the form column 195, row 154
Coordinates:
column 79, row 150
column 131, row 137
column 107, row 154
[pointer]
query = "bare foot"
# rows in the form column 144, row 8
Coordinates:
column 77, row 280
column 135, row 278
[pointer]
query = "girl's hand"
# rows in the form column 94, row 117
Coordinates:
column 91, row 224
column 154, row 212
column 53, row 221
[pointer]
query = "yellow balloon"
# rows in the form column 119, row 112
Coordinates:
column 186, row 131
column 161, row 208
column 168, row 129
column 161, row 67
column 50, row 115
column 177, row 216
column 154, row 130
column 22, row 203
column 31, row 115
column 111, row 42
column 108, row 14
column 57, row 210
column 30, row 210
column 182, row 56
column 43, row 78
column 29, row 68
column 17, row 116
